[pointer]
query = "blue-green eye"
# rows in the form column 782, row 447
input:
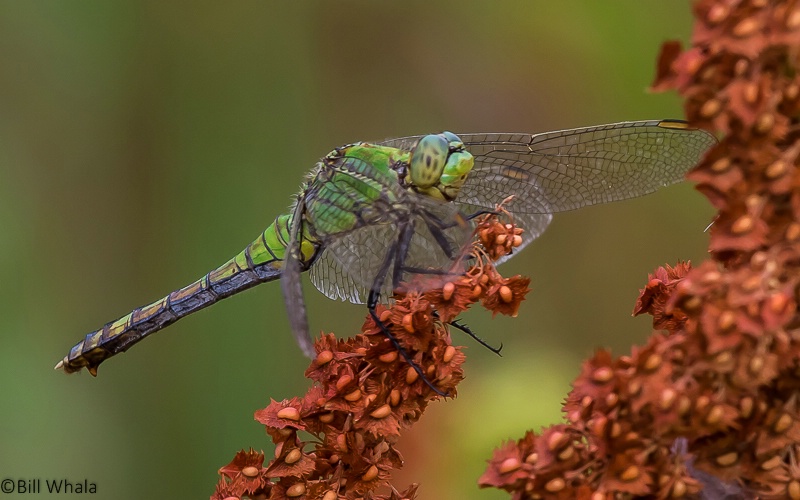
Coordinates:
column 428, row 160
column 453, row 140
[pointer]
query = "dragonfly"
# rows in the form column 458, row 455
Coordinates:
column 370, row 215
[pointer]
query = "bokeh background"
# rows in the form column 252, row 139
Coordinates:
column 142, row 143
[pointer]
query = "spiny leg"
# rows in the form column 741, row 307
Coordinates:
column 464, row 328
column 374, row 295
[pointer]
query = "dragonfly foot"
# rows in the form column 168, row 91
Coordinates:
column 464, row 328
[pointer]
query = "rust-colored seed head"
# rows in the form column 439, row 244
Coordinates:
column 746, row 407
column 603, row 375
column 755, row 365
column 353, row 396
column 710, row 108
column 771, row 463
column 341, row 443
column 532, row 458
column 678, row 489
column 381, row 412
column 792, row 90
column 630, row 473
column 612, row 398
column 370, row 474
column 408, row 323
column 684, row 405
column 289, row 413
column 326, row 418
column 509, row 465
column 296, row 490
column 715, row 414
column 727, row 459
column 449, row 354
column 765, row 123
column 501, row 239
column 721, row 165
column 411, row 375
column 652, row 362
column 783, row 423
column 556, row 440
column 793, row 231
column 726, row 320
column 746, row 27
column 293, row 456
column 385, row 315
column 330, row 495
column 506, row 295
column 717, row 13
column 388, row 357
column 711, row 278
column 555, row 485
column 778, row 302
column 793, row 19
column 793, row 489
column 324, row 357
column 516, row 241
column 447, row 290
column 343, row 381
column 394, row 397
column 776, row 169
column 250, row 471
column 742, row 225
column 566, row 453
column 667, row 398
column 751, row 92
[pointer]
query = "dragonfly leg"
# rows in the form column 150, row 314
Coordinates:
column 371, row 305
column 482, row 212
column 396, row 253
column 464, row 328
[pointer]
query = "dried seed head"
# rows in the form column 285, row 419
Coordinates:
column 324, row 357
column 250, row 471
column 603, row 375
column 296, row 490
column 381, row 412
column 289, row 413
column 293, row 456
column 509, row 465
column 555, row 485
column 447, row 290
column 630, row 473
column 742, row 225
column 449, row 354
column 710, row 108
column 370, row 474
column 727, row 459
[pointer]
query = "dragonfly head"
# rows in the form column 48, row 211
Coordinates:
column 439, row 166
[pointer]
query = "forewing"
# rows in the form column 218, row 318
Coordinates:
column 569, row 169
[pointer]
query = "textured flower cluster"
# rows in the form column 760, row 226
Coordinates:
column 365, row 392
column 709, row 406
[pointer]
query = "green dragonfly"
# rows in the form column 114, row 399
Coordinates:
column 372, row 214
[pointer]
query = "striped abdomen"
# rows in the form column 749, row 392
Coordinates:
column 260, row 262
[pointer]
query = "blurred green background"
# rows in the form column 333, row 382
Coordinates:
column 144, row 143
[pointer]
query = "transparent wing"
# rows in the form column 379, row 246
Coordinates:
column 351, row 261
column 569, row 169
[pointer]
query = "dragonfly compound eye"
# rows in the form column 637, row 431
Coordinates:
column 428, row 160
